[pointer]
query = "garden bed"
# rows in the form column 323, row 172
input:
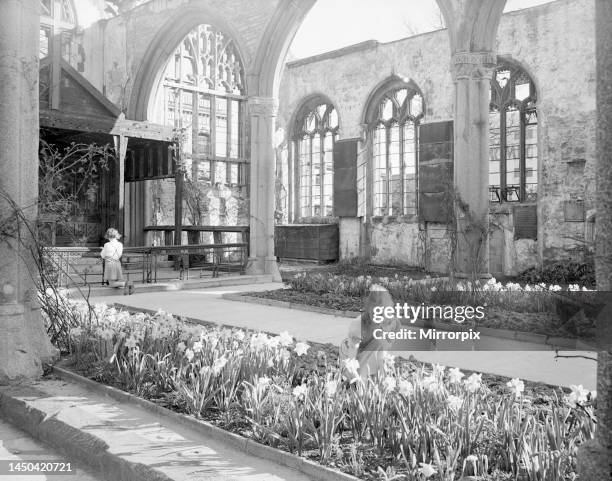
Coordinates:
column 544, row 323
column 542, row 309
column 297, row 397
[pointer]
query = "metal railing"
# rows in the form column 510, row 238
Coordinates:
column 74, row 266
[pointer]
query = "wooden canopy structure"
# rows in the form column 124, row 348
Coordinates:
column 74, row 110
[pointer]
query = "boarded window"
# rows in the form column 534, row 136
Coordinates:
column 345, row 178
column 525, row 222
column 436, row 172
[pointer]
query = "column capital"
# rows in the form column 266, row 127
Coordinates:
column 263, row 106
column 473, row 65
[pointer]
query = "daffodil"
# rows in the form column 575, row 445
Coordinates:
column 454, row 403
column 405, row 387
column 578, row 395
column 299, row 392
column 473, row 383
column 455, row 375
column 427, row 470
column 301, row 348
column 516, row 386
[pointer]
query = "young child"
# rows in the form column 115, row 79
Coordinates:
column 111, row 253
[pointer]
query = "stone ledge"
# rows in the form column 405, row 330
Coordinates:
column 246, row 445
column 177, row 285
column 289, row 305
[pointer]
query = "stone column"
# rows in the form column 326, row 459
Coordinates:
column 23, row 340
column 472, row 76
column 595, row 459
column 263, row 111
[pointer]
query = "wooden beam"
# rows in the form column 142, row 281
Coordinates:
column 80, row 123
column 142, row 130
column 178, row 206
column 121, row 144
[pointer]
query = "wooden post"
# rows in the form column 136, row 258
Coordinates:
column 121, row 143
column 178, row 206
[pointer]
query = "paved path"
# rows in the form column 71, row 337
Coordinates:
column 207, row 305
column 16, row 446
column 122, row 437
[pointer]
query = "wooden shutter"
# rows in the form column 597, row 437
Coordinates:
column 525, row 222
column 345, row 178
column 435, row 171
column 153, row 161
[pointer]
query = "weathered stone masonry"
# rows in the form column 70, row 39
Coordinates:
column 554, row 44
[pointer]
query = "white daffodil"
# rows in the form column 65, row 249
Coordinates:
column 331, row 387
column 473, row 383
column 301, row 348
column 578, row 395
column 197, row 346
column 516, row 386
column 285, row 339
column 405, row 387
column 218, row 365
column 427, row 470
column 259, row 341
column 389, row 383
column 299, row 392
column 454, row 403
column 455, row 375
column 189, row 354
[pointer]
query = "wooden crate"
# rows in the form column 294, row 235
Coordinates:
column 317, row 242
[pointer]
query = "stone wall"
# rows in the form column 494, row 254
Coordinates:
column 117, row 47
column 554, row 43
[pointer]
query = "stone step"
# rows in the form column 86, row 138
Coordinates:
column 175, row 285
column 124, row 441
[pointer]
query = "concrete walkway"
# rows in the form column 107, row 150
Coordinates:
column 18, row 446
column 208, row 305
column 123, row 441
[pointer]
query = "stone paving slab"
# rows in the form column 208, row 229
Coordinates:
column 16, row 445
column 125, row 442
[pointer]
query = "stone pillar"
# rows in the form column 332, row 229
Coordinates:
column 23, row 340
column 595, row 459
column 472, row 76
column 263, row 111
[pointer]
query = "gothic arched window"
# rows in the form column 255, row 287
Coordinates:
column 203, row 94
column 57, row 23
column 57, row 29
column 393, row 126
column 513, row 134
column 314, row 137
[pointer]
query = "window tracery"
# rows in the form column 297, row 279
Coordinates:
column 513, row 136
column 203, row 94
column 314, row 138
column 394, row 133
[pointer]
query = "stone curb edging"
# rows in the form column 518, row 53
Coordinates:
column 551, row 341
column 89, row 450
column 175, row 285
column 248, row 446
column 289, row 305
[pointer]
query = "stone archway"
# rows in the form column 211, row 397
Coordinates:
column 472, row 28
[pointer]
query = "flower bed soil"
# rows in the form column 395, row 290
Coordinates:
column 285, row 393
column 539, row 394
column 545, row 323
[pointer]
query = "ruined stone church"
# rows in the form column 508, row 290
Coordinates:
column 365, row 147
